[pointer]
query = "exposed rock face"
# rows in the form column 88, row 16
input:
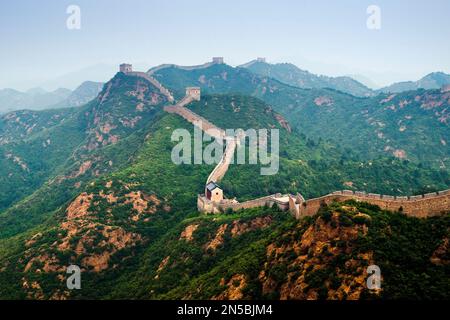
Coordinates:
column 238, row 228
column 283, row 122
column 323, row 101
column 218, row 239
column 81, row 230
column 79, row 207
column 318, row 248
column 187, row 234
column 115, row 239
column 399, row 153
column 233, row 289
column 141, row 201
column 82, row 233
column 441, row 256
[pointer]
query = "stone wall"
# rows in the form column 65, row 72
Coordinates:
column 195, row 119
column 222, row 167
column 154, row 82
column 215, row 60
column 207, row 206
column 422, row 206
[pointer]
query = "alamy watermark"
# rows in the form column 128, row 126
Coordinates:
column 74, row 280
column 73, row 22
column 374, row 20
column 222, row 144
column 374, row 280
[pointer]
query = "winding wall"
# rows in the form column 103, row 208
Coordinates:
column 154, row 82
column 422, row 206
column 188, row 68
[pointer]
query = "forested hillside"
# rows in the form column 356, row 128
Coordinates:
column 113, row 202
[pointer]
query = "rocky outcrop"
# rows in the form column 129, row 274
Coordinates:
column 313, row 266
column 188, row 232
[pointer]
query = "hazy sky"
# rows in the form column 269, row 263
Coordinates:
column 328, row 37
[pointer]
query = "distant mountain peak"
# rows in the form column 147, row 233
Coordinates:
column 433, row 80
column 291, row 74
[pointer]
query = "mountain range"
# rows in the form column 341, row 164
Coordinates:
column 292, row 75
column 38, row 99
column 94, row 185
column 393, row 123
column 434, row 80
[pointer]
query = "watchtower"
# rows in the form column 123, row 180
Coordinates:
column 213, row 192
column 125, row 68
column 217, row 60
column 260, row 59
column 193, row 92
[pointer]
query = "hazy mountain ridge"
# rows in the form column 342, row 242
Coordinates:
column 62, row 146
column 393, row 130
column 38, row 98
column 434, row 80
column 292, row 75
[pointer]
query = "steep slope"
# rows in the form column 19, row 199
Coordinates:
column 76, row 146
column 84, row 93
column 105, row 228
column 306, row 165
column 264, row 254
column 255, row 254
column 346, row 120
column 119, row 204
column 292, row 75
column 32, row 146
column 411, row 125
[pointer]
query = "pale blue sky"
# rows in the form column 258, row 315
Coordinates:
column 328, row 37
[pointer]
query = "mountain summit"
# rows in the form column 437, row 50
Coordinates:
column 434, row 80
column 292, row 75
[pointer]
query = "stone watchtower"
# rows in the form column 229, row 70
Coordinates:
column 125, row 68
column 260, row 59
column 217, row 60
column 193, row 92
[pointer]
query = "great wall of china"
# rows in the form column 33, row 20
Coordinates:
column 422, row 206
column 215, row 60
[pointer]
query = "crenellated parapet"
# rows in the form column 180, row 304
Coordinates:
column 214, row 61
column 422, row 206
column 208, row 206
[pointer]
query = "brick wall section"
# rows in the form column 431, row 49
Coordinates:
column 222, row 167
column 154, row 82
column 205, row 205
column 423, row 206
column 195, row 119
column 187, row 68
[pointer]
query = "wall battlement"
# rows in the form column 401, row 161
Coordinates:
column 215, row 60
column 208, row 206
column 125, row 68
column 422, row 206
